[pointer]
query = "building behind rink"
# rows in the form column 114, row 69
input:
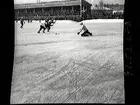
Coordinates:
column 63, row 10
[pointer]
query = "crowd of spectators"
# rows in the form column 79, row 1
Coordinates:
column 64, row 14
column 60, row 13
column 118, row 15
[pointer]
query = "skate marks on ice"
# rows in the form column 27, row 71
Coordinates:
column 70, row 69
column 54, row 78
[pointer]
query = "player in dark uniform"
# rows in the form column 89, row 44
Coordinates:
column 52, row 21
column 86, row 32
column 49, row 25
column 22, row 22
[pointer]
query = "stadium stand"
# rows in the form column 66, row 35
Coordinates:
column 69, row 10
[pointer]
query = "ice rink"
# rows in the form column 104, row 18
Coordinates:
column 63, row 67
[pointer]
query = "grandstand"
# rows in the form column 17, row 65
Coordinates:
column 62, row 10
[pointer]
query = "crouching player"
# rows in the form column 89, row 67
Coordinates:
column 86, row 32
column 47, row 25
column 43, row 26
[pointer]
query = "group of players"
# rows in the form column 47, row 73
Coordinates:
column 47, row 25
column 50, row 22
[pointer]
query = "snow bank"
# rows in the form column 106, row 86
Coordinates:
column 103, row 21
column 58, row 21
column 65, row 21
column 93, row 21
column 86, row 21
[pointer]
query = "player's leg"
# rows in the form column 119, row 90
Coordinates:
column 21, row 25
column 48, row 29
column 89, row 33
column 83, row 34
column 41, row 27
column 44, row 28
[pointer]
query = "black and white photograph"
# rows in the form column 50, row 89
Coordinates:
column 68, row 51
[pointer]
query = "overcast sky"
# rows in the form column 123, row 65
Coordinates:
column 91, row 1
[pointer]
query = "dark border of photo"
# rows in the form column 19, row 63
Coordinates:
column 7, row 49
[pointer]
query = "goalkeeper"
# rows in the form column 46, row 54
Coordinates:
column 86, row 32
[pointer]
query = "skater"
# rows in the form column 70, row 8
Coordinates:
column 43, row 26
column 22, row 22
column 49, row 25
column 52, row 21
column 86, row 32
